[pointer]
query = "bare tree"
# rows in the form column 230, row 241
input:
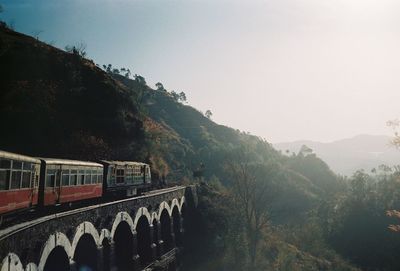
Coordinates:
column 253, row 189
column 78, row 49
column 37, row 33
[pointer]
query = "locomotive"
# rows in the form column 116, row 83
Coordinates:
column 30, row 182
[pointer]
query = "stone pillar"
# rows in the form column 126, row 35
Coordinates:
column 160, row 243
column 100, row 259
column 113, row 257
column 153, row 246
column 135, row 256
column 173, row 243
column 73, row 265
column 160, row 249
column 178, row 239
column 182, row 230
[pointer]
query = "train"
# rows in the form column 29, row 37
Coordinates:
column 30, row 183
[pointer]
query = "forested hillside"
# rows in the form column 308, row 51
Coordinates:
column 258, row 209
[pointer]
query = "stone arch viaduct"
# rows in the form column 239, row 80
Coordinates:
column 141, row 233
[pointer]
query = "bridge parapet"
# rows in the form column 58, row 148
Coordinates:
column 129, row 233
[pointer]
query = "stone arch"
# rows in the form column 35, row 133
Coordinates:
column 182, row 203
column 155, row 224
column 142, row 212
column 174, row 203
column 105, row 242
column 123, row 238
column 144, row 239
column 105, row 234
column 163, row 206
column 31, row 267
column 55, row 240
column 166, row 231
column 122, row 217
column 11, row 263
column 86, row 253
column 156, row 232
column 154, row 215
column 85, row 228
column 177, row 225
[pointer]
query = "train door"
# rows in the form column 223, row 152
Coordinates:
column 57, row 185
column 34, row 182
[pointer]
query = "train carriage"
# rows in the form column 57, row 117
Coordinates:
column 125, row 178
column 19, row 182
column 67, row 181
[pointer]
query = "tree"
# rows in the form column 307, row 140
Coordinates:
column 253, row 189
column 305, row 150
column 160, row 86
column 208, row 114
column 175, row 96
column 140, row 79
column 78, row 49
column 179, row 97
column 126, row 72
column 182, row 97
column 107, row 68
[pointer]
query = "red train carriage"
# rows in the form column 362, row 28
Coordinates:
column 125, row 178
column 65, row 181
column 19, row 182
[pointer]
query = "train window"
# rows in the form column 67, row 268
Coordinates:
column 81, row 177
column 73, row 177
column 129, row 175
column 4, row 179
column 93, row 178
column 65, row 178
column 129, row 179
column 15, row 179
column 26, row 179
column 17, row 165
column 27, row 166
column 4, row 163
column 50, row 177
column 120, row 176
column 99, row 176
column 88, row 177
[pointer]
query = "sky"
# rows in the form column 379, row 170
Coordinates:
column 284, row 70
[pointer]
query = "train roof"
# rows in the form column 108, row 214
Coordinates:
column 15, row 156
column 124, row 163
column 56, row 161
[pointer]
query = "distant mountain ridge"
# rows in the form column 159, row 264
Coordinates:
column 347, row 155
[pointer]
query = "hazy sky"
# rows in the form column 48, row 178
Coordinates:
column 280, row 69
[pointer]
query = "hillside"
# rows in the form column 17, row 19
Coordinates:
column 348, row 155
column 59, row 104
column 74, row 109
column 54, row 103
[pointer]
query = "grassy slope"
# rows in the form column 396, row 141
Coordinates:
column 53, row 103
